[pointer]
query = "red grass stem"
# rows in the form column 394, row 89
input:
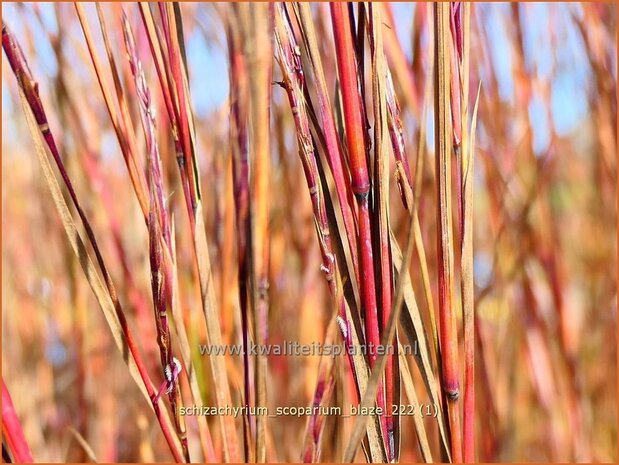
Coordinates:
column 12, row 431
column 355, row 136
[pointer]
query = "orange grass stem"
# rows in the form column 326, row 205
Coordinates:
column 443, row 143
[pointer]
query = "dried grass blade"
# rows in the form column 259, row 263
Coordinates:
column 411, row 394
column 213, row 329
column 468, row 288
column 374, row 435
column 83, row 444
column 413, row 326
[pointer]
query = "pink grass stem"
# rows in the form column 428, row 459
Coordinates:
column 12, row 430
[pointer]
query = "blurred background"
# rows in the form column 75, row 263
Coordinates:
column 544, row 243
